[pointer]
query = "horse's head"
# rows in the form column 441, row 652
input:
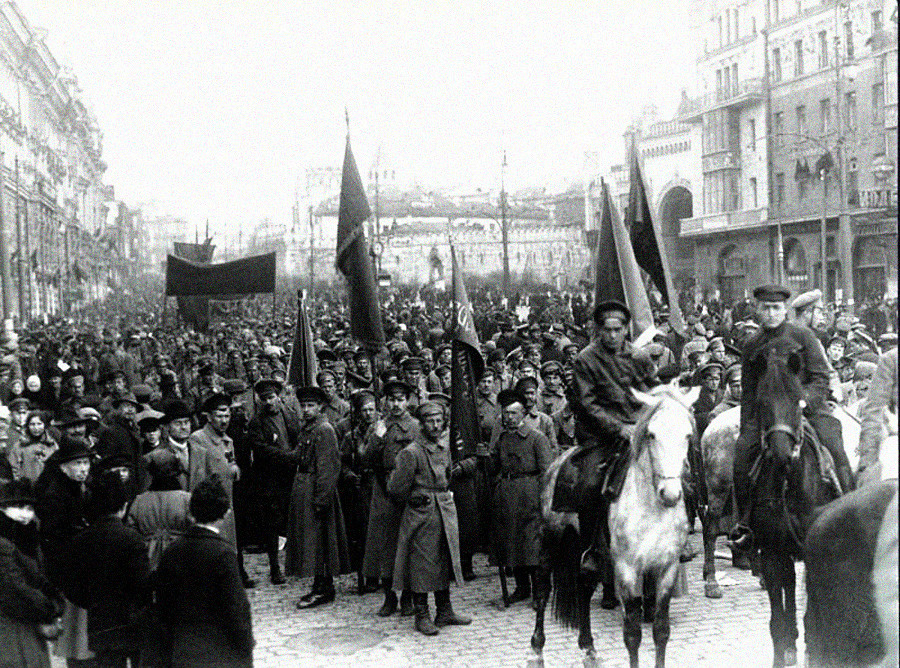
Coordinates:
column 779, row 405
column 666, row 429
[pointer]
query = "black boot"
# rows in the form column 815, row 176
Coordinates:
column 407, row 605
column 326, row 594
column 275, row 575
column 522, row 592
column 389, row 607
column 316, row 589
column 444, row 615
column 248, row 582
column 423, row 616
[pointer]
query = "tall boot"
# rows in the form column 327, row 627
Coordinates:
column 389, row 607
column 407, row 605
column 275, row 575
column 315, row 590
column 424, row 625
column 249, row 583
column 444, row 615
column 522, row 592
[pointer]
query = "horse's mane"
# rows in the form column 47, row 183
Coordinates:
column 777, row 381
column 665, row 391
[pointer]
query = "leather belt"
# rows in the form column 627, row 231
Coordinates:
column 513, row 476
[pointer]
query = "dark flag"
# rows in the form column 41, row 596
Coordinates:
column 194, row 309
column 247, row 276
column 353, row 259
column 303, row 365
column 466, row 368
column 649, row 249
column 616, row 272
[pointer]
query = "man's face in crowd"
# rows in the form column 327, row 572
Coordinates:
column 771, row 314
column 76, row 386
column 571, row 354
column 78, row 430
column 427, row 357
column 712, row 379
column 717, row 351
column 252, row 369
column 271, row 401
column 534, row 356
column 77, row 469
column 527, row 370
column 363, row 367
column 219, row 419
column 734, row 385
column 512, row 415
column 396, row 402
column 153, row 437
column 835, row 351
column 433, row 425
column 530, row 394
column 367, row 411
column 327, row 384
column 486, row 384
column 612, row 332
column 553, row 381
column 118, row 384
column 56, row 382
column 414, row 376
column 816, row 316
column 128, row 410
column 310, row 409
column 444, row 378
column 446, row 356
column 180, row 429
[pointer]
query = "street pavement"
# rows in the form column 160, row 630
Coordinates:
column 731, row 631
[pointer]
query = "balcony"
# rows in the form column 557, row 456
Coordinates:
column 872, row 199
column 728, row 221
column 745, row 93
column 722, row 160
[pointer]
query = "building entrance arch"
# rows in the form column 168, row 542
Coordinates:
column 676, row 205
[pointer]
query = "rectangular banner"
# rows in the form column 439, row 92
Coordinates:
column 249, row 275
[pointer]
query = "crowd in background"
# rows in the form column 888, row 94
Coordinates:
column 140, row 460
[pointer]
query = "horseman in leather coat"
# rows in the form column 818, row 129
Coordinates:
column 778, row 336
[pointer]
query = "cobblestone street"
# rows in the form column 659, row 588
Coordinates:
column 705, row 633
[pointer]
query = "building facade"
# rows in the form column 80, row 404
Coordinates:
column 53, row 203
column 797, row 112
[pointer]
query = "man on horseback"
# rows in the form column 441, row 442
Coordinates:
column 781, row 337
column 605, row 414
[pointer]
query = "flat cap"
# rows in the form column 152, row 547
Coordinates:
column 771, row 293
column 805, row 299
column 611, row 307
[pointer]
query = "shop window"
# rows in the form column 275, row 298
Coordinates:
column 795, row 268
column 732, row 275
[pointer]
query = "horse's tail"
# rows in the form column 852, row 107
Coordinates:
column 565, row 557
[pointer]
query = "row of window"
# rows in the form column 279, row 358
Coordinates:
column 668, row 149
column 851, row 185
column 800, row 48
column 801, row 128
column 529, row 258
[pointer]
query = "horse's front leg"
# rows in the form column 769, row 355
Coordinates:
column 540, row 595
column 710, row 523
column 771, row 573
column 631, row 627
column 663, row 596
column 586, row 587
column 789, row 587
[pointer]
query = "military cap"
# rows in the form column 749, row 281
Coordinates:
column 311, row 393
column 396, row 384
column 142, row 392
column 215, row 401
column 771, row 293
column 234, row 386
column 125, row 398
column 265, row 384
column 19, row 402
column 176, row 409
column 805, row 299
column 326, row 355
column 507, row 397
column 550, row 367
column 430, row 408
column 708, row 367
column 731, row 372
column 695, row 346
column 440, row 398
column 360, row 397
column 863, row 370
column 837, row 339
column 411, row 362
column 525, row 381
column 496, row 355
column 611, row 307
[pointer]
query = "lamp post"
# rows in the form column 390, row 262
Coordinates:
column 504, row 228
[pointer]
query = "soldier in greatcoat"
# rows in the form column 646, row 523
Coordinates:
column 316, row 539
column 519, row 457
column 389, row 436
column 428, row 542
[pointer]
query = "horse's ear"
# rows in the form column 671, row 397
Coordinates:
column 691, row 396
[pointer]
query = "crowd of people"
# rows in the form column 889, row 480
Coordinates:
column 140, row 461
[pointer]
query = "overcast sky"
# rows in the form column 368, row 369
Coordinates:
column 214, row 109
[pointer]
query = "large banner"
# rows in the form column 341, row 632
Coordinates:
column 195, row 310
column 249, row 275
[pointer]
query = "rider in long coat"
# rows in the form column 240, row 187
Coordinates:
column 778, row 336
column 316, row 539
column 389, row 437
column 519, row 457
column 428, row 541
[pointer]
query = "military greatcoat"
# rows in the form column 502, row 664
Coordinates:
column 385, row 511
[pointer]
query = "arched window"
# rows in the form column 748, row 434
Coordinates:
column 795, row 268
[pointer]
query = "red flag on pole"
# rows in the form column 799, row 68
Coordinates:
column 617, row 275
column 303, row 364
column 649, row 246
column 466, row 367
column 353, row 259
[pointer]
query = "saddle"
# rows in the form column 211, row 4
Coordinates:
column 587, row 475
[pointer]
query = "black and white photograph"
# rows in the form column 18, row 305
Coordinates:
column 448, row 334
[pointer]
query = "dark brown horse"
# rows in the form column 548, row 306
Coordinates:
column 787, row 489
